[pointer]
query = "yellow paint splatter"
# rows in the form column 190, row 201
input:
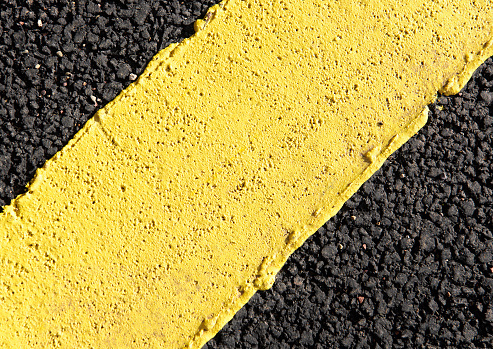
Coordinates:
column 189, row 191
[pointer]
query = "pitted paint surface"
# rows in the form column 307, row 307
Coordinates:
column 189, row 191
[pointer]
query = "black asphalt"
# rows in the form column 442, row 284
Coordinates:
column 407, row 262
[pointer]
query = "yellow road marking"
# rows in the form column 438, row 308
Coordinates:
column 189, row 191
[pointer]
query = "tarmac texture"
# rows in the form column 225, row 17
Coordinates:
column 406, row 263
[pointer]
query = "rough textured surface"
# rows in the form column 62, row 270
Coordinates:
column 462, row 317
column 407, row 262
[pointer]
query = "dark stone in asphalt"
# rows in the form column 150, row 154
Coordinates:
column 487, row 96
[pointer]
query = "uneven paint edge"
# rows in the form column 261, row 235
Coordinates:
column 269, row 268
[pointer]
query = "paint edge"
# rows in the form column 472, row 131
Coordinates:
column 210, row 327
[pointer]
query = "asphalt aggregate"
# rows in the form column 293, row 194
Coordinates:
column 406, row 263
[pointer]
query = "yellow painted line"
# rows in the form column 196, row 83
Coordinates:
column 189, row 191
